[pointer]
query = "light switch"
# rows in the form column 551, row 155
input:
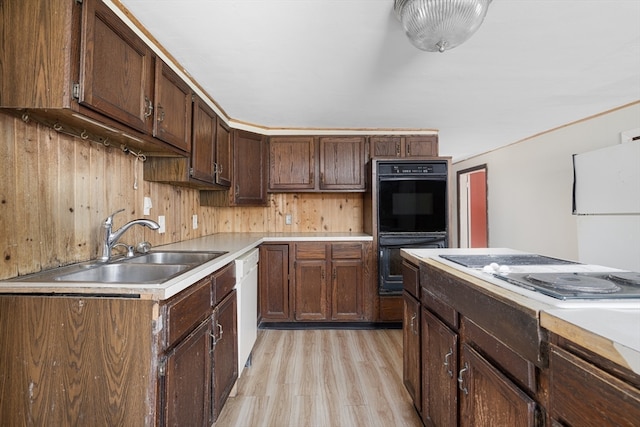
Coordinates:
column 161, row 223
column 147, row 205
column 195, row 221
column 287, row 219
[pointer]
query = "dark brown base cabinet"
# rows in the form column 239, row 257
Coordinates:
column 583, row 394
column 476, row 368
column 468, row 377
column 119, row 360
column 315, row 281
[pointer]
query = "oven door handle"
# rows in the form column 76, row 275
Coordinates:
column 414, row 244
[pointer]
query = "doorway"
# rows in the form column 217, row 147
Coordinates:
column 472, row 208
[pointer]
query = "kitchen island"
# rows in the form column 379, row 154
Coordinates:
column 483, row 341
column 128, row 354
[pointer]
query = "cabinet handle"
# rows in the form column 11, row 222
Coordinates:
column 461, row 380
column 216, row 171
column 214, row 340
column 446, row 362
column 148, row 107
column 221, row 331
column 408, row 148
column 413, row 329
column 237, row 190
column 397, row 149
column 161, row 115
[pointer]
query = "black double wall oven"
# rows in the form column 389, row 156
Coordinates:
column 412, row 212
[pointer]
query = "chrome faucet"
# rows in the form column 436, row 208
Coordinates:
column 111, row 237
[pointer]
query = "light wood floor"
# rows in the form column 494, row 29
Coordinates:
column 322, row 378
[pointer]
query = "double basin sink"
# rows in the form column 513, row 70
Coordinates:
column 150, row 268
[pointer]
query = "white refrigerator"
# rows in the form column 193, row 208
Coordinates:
column 607, row 204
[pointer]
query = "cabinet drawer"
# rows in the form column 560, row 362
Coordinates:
column 186, row 310
column 444, row 311
column 346, row 250
column 311, row 250
column 411, row 279
column 582, row 394
column 224, row 280
column 518, row 368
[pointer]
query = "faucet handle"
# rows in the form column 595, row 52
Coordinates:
column 109, row 219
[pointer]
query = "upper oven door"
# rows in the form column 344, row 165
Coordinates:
column 412, row 204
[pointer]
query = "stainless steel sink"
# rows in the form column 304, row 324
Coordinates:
column 125, row 273
column 173, row 257
column 153, row 268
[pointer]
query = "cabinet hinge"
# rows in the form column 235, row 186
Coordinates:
column 190, row 171
column 75, row 90
column 162, row 368
column 78, row 1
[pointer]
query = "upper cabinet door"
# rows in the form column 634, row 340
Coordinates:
column 116, row 69
column 172, row 113
column 291, row 163
column 342, row 162
column 421, row 146
column 250, row 169
column 386, row 146
column 223, row 154
column 203, row 141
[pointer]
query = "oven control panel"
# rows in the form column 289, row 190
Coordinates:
column 418, row 168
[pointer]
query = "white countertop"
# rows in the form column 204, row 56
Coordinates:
column 235, row 244
column 610, row 328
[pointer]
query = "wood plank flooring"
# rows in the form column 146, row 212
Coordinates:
column 322, row 378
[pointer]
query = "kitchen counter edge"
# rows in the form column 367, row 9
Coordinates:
column 235, row 244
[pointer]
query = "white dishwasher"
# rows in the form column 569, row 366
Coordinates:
column 247, row 292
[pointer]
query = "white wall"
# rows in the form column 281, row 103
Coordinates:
column 529, row 183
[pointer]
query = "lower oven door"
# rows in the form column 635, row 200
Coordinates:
column 390, row 261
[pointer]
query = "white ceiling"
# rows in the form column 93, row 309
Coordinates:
column 534, row 65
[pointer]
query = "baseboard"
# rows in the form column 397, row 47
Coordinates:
column 330, row 325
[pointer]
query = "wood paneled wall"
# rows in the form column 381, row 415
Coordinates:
column 55, row 191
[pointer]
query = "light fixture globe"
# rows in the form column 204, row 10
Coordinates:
column 439, row 25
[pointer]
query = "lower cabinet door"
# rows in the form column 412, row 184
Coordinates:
column 411, row 366
column 225, row 351
column 439, row 370
column 488, row 398
column 185, row 396
column 311, row 295
column 347, row 290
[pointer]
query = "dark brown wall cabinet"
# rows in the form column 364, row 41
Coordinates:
column 404, row 146
column 208, row 166
column 316, row 281
column 249, row 174
column 90, row 75
column 307, row 163
column 172, row 112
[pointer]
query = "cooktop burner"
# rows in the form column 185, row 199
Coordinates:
column 480, row 260
column 627, row 278
column 565, row 286
column 573, row 282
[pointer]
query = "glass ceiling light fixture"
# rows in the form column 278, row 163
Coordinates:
column 439, row 25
